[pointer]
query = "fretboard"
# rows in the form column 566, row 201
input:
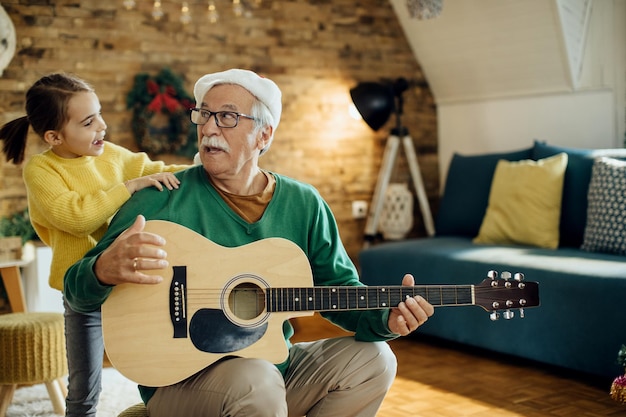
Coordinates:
column 363, row 298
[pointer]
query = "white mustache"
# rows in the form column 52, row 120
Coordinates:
column 214, row 142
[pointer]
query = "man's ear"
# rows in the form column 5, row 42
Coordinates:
column 264, row 136
column 51, row 137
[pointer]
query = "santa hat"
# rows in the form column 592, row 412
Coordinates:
column 264, row 89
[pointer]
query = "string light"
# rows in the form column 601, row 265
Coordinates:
column 185, row 16
column 212, row 13
column 239, row 8
column 157, row 11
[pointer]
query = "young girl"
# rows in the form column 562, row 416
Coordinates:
column 73, row 190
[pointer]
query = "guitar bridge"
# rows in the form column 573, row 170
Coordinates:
column 178, row 302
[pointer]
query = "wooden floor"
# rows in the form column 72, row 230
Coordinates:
column 445, row 380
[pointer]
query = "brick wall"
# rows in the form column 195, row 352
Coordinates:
column 315, row 51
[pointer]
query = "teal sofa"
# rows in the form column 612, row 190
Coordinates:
column 580, row 323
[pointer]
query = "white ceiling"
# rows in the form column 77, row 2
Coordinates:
column 484, row 49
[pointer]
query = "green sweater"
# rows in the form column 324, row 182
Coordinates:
column 296, row 212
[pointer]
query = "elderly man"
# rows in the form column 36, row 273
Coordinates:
column 231, row 201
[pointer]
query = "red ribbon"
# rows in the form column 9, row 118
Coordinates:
column 163, row 99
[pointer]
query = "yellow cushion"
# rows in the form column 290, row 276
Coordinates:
column 525, row 203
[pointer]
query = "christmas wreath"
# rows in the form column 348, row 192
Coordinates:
column 160, row 122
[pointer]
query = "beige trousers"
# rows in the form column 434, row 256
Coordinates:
column 332, row 378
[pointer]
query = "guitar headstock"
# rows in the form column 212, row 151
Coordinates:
column 506, row 292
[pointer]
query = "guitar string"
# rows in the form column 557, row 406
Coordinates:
column 285, row 290
column 442, row 294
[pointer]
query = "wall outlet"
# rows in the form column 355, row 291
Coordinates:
column 359, row 209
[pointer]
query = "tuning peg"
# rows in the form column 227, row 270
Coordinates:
column 521, row 313
column 519, row 276
column 506, row 276
column 494, row 315
column 508, row 314
column 492, row 274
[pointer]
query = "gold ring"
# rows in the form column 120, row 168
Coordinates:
column 135, row 264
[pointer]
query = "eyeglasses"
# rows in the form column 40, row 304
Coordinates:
column 226, row 119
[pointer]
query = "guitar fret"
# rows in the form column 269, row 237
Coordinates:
column 343, row 301
column 403, row 294
column 371, row 296
column 296, row 304
column 333, row 298
column 283, row 299
column 310, row 305
column 449, row 296
column 351, row 298
column 324, row 298
column 317, row 299
column 276, row 292
column 361, row 297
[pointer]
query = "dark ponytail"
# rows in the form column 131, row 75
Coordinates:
column 13, row 135
column 46, row 109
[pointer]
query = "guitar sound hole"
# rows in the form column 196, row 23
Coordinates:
column 246, row 301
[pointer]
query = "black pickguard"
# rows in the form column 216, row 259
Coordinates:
column 212, row 332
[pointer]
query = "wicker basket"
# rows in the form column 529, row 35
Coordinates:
column 10, row 249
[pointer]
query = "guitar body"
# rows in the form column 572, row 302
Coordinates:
column 210, row 305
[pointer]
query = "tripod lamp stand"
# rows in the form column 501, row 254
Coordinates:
column 375, row 102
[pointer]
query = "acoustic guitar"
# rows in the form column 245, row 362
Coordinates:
column 217, row 301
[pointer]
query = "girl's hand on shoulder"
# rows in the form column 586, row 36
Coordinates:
column 159, row 180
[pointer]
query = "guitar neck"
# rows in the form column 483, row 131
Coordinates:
column 364, row 298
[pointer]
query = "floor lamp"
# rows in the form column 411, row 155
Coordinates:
column 375, row 102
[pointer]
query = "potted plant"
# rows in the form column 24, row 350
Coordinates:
column 15, row 231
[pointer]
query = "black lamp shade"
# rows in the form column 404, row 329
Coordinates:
column 375, row 102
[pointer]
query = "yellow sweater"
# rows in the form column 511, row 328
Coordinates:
column 71, row 201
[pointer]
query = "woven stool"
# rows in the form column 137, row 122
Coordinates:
column 32, row 351
column 137, row 410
